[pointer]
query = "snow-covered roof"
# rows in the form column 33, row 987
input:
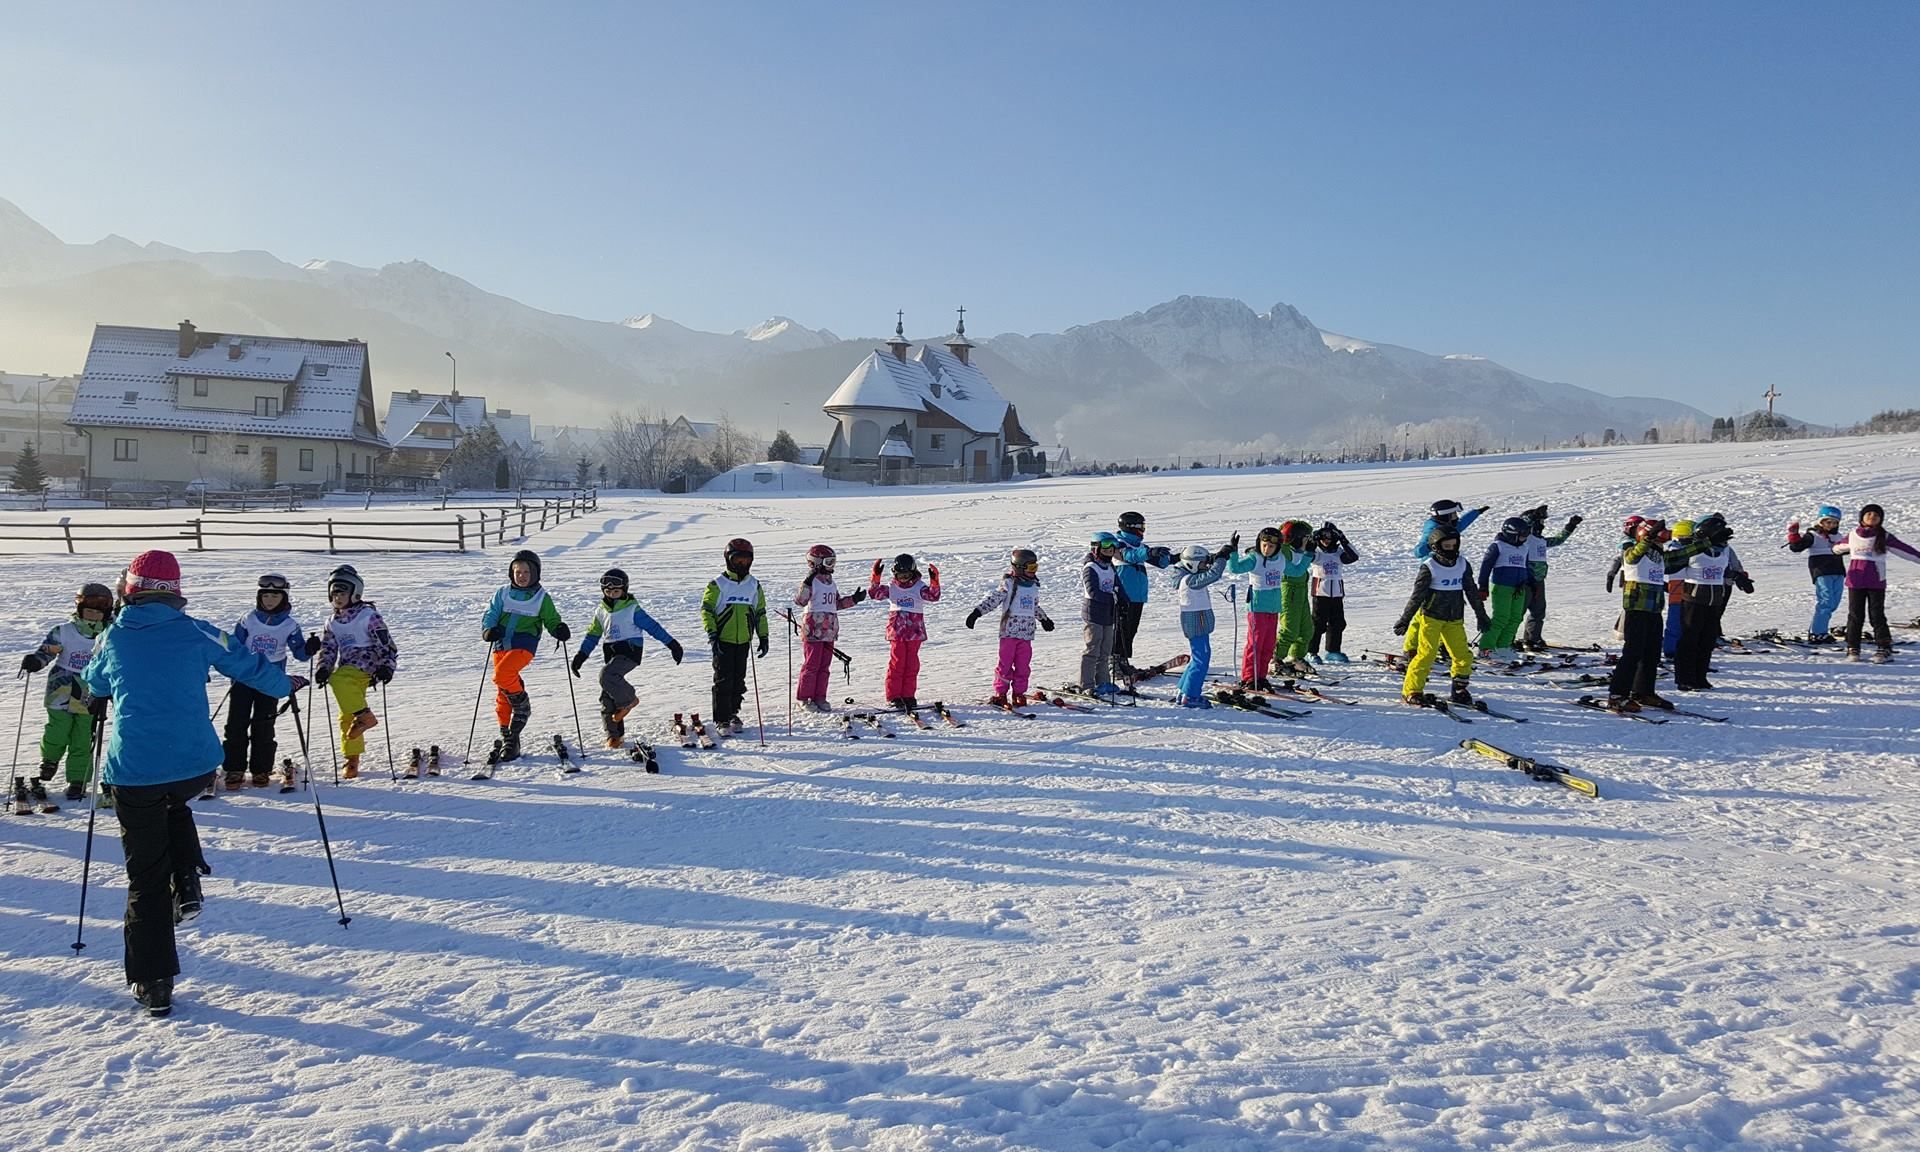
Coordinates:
column 896, row 448
column 930, row 379
column 132, row 374
column 407, row 411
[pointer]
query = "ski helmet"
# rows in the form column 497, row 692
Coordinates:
column 1654, row 528
column 345, row 579
column 1631, row 528
column 272, row 582
column 1132, row 522
column 1195, row 557
column 98, row 597
column 1441, row 534
column 1514, row 529
column 1682, row 529
column 903, row 565
column 1328, row 532
column 1830, row 512
column 1266, row 534
column 531, row 559
column 1873, row 508
column 1296, row 532
column 1537, row 513
column 614, row 578
column 739, row 554
column 1447, row 509
column 820, row 558
column 1103, row 540
column 1023, row 562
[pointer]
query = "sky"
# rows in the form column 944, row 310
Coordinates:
column 1694, row 201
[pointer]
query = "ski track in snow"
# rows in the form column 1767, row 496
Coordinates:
column 1136, row 928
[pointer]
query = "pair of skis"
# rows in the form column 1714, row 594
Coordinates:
column 696, row 731
column 565, row 764
column 31, row 802
column 1534, row 769
column 1599, row 705
column 1247, row 702
column 419, row 765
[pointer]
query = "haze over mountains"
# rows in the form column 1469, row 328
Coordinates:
column 1195, row 373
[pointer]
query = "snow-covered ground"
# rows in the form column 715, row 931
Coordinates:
column 1139, row 929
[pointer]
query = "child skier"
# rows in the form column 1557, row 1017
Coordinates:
column 271, row 631
column 1644, row 567
column 1295, row 629
column 69, row 729
column 1537, row 544
column 1828, row 570
column 1506, row 581
column 1132, row 562
column 1709, row 570
column 1332, row 552
column 1442, row 592
column 1197, row 571
column 905, row 595
column 355, row 651
column 1866, row 548
column 512, row 624
column 1676, row 592
column 624, row 625
column 733, row 611
column 1099, row 593
column 1265, row 565
column 820, row 626
column 1018, row 597
column 1443, row 514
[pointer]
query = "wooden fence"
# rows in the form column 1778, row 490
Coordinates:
column 426, row 531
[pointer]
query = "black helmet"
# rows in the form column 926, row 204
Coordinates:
column 903, row 564
column 272, row 582
column 1441, row 534
column 1536, row 513
column 739, row 554
column 531, row 559
column 1328, row 531
column 1022, row 560
column 345, row 578
column 613, row 578
column 1514, row 529
column 1268, row 533
column 98, row 597
column 1447, row 509
column 1132, row 522
column 1296, row 532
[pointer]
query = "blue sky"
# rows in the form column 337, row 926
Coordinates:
column 1693, row 200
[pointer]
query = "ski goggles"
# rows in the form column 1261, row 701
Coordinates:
column 826, row 563
column 614, row 585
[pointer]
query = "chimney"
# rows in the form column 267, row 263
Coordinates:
column 898, row 345
column 413, row 395
column 186, row 339
column 234, row 351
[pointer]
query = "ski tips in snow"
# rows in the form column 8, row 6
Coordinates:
column 1535, row 769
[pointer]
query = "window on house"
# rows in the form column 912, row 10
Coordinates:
column 266, row 406
column 320, row 370
column 199, row 385
column 199, row 445
column 306, row 459
column 129, row 397
column 937, row 440
column 126, row 449
column 240, row 449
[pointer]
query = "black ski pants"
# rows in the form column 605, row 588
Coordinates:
column 157, row 833
column 1639, row 654
column 615, row 692
column 1699, row 629
column 1329, row 621
column 729, row 680
column 1126, row 621
column 1864, row 604
column 249, row 743
column 1536, row 623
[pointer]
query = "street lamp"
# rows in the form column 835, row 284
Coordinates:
column 455, row 413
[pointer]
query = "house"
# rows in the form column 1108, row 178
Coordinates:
column 162, row 406
column 33, row 410
column 425, row 427
column 903, row 411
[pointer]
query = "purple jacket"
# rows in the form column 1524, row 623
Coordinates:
column 1866, row 550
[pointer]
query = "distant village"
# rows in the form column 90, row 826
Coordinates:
column 160, row 413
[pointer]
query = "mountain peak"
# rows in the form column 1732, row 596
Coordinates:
column 20, row 233
column 783, row 334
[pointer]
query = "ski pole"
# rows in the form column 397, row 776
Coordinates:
column 753, row 665
column 789, row 687
column 86, row 859
column 26, row 690
column 566, row 673
column 224, row 697
column 474, row 725
column 325, row 844
column 386, row 714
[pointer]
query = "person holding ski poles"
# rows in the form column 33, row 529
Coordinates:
column 512, row 624
column 69, row 731
column 1131, row 564
column 152, row 664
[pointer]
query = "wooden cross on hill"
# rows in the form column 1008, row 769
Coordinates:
column 1770, row 395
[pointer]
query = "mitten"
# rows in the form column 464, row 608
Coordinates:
column 1046, row 624
column 674, row 650
column 579, row 661
column 493, row 634
column 562, row 633
column 973, row 617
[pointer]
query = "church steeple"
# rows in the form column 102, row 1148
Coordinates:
column 899, row 345
column 958, row 343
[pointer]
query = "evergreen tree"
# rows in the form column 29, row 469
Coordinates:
column 783, row 448
column 28, row 475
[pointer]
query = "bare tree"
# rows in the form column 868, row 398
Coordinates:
column 733, row 447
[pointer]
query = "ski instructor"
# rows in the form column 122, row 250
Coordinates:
column 1134, row 558
column 151, row 664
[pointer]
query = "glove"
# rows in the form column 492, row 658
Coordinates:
column 933, row 573
column 313, row 642
column 876, row 570
column 561, row 632
column 1744, row 582
column 973, row 617
column 383, row 675
column 1722, row 536
column 298, row 683
column 578, row 662
column 859, row 594
column 713, row 639
column 673, row 649
column 494, row 634
column 97, row 707
column 1224, row 551
column 1793, row 527
column 1482, row 621
column 1046, row 624
column 1573, row 521
column 1160, row 555
column 322, row 676
column 763, row 647
column 1233, row 544
column 1400, row 629
column 31, row 663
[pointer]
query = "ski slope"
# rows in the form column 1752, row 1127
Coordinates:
column 1140, row 928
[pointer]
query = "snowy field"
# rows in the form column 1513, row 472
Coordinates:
column 1140, row 929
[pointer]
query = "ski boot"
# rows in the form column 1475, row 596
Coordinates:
column 22, row 805
column 1337, row 658
column 1314, row 656
column 1653, row 700
column 1622, row 704
column 820, row 707
column 998, row 700
column 236, row 781
column 38, row 791
column 735, row 727
column 263, row 776
column 413, row 765
column 1195, row 702
column 351, row 770
column 156, row 996
column 1854, row 657
column 364, row 721
column 1460, row 695
column 76, row 790
column 1883, row 656
column 509, row 744
column 433, row 759
column 187, row 900
column 47, row 769
column 1020, row 700
column 287, row 781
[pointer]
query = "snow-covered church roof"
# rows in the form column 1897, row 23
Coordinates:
column 932, row 379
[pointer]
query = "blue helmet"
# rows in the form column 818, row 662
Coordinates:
column 1829, row 512
column 1515, row 529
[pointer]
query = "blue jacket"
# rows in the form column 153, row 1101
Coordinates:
column 1132, row 562
column 1467, row 518
column 153, row 662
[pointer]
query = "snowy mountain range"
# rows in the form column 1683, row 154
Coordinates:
column 1195, row 373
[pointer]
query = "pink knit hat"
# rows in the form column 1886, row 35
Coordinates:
column 154, row 571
